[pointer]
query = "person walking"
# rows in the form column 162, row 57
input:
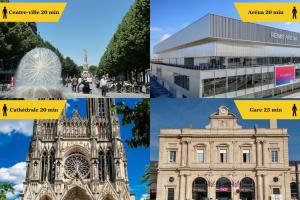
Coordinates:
column 74, row 84
column 103, row 85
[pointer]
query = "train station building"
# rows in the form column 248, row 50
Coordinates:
column 223, row 160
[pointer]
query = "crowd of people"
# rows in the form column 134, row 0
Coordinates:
column 81, row 85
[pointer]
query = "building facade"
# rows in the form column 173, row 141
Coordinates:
column 225, row 161
column 218, row 56
column 78, row 158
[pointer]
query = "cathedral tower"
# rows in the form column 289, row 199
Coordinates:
column 78, row 158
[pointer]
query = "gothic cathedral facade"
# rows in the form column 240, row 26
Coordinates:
column 78, row 158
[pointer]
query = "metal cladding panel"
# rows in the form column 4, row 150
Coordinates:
column 227, row 28
column 196, row 31
column 202, row 50
column 233, row 48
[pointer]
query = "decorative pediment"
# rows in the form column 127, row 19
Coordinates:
column 77, row 183
column 223, row 119
column 108, row 190
column 46, row 190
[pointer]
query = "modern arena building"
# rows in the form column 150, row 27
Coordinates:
column 218, row 56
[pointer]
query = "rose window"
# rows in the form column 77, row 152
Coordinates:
column 77, row 165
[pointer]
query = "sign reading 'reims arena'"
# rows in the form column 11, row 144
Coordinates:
column 283, row 36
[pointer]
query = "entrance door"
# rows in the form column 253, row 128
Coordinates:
column 223, row 189
column 247, row 189
column 199, row 189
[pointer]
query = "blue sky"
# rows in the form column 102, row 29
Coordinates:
column 17, row 134
column 85, row 24
column 180, row 113
column 170, row 16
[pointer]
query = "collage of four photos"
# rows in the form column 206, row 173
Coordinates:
column 138, row 100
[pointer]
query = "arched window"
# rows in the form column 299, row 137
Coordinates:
column 247, row 188
column 109, row 164
column 101, row 166
column 294, row 190
column 51, row 176
column 223, row 188
column 44, row 166
column 199, row 189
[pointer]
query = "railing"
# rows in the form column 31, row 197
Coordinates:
column 208, row 66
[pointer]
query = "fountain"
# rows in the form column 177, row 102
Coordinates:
column 38, row 75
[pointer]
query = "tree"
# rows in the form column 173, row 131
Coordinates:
column 139, row 116
column 4, row 189
column 70, row 68
column 93, row 69
column 128, row 50
column 16, row 39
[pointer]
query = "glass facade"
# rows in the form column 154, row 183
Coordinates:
column 182, row 81
column 215, row 86
column 229, row 62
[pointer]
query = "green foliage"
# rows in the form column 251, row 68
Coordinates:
column 70, row 68
column 4, row 189
column 128, row 50
column 93, row 69
column 140, row 117
column 16, row 39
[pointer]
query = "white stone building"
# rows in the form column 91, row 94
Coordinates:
column 225, row 161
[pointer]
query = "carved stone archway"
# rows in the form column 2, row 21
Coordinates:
column 77, row 193
column 45, row 197
column 108, row 197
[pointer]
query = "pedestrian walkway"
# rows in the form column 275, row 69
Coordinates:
column 96, row 93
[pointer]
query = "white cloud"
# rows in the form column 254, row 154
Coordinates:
column 12, row 126
column 15, row 175
column 145, row 197
column 155, row 29
column 164, row 37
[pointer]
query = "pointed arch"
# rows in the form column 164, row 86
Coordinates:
column 101, row 165
column 44, row 167
column 77, row 193
column 45, row 197
column 109, row 164
column 52, row 165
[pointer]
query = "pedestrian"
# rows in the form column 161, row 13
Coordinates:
column 103, row 85
column 74, row 84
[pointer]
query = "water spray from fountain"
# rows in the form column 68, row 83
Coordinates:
column 38, row 75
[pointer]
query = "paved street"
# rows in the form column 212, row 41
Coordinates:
column 67, row 92
column 96, row 93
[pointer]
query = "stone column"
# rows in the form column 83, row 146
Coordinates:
column 258, row 153
column 181, row 156
column 259, row 187
column 264, row 186
column 181, row 186
column 263, row 146
column 211, row 149
column 234, row 159
column 187, row 187
column 187, row 152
